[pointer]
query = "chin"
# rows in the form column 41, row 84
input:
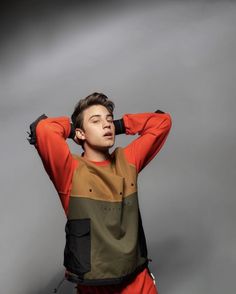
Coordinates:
column 109, row 145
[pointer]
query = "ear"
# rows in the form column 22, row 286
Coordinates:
column 80, row 134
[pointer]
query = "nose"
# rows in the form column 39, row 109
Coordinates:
column 107, row 124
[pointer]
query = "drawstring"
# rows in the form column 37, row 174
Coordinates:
column 151, row 274
column 59, row 285
column 153, row 277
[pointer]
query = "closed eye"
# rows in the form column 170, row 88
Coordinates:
column 95, row 121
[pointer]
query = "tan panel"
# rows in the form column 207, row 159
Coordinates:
column 110, row 183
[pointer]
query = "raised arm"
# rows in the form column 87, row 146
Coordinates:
column 153, row 129
column 49, row 135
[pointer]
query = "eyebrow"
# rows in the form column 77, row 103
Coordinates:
column 95, row 115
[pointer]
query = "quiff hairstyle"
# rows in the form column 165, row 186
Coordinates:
column 95, row 98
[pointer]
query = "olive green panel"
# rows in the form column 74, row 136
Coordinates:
column 114, row 234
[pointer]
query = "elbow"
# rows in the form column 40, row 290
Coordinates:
column 167, row 123
column 33, row 125
column 41, row 127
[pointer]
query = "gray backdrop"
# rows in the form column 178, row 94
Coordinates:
column 177, row 56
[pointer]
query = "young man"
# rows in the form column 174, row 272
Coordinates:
column 105, row 249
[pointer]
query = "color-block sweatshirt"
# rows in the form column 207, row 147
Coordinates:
column 105, row 240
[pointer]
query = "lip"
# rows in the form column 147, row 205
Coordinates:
column 110, row 135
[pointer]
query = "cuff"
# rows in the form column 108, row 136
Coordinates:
column 119, row 126
column 72, row 131
column 32, row 133
column 159, row 111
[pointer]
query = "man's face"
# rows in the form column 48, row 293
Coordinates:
column 97, row 122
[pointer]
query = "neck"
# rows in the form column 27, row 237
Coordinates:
column 96, row 155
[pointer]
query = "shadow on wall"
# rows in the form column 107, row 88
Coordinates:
column 177, row 258
column 65, row 288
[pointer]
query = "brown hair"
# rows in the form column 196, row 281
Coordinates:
column 95, row 98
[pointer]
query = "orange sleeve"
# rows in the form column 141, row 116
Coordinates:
column 51, row 135
column 153, row 129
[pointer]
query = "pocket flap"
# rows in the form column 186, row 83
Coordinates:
column 78, row 227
